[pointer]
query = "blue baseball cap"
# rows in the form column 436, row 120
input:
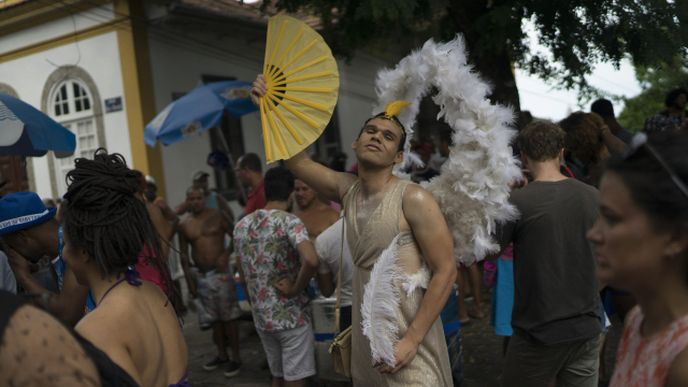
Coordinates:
column 21, row 211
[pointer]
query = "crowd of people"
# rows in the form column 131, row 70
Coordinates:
column 601, row 231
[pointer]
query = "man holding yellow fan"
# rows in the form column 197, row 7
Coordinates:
column 381, row 210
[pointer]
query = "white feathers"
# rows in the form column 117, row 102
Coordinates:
column 473, row 187
column 380, row 305
column 419, row 279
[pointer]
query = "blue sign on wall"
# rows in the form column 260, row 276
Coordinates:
column 113, row 104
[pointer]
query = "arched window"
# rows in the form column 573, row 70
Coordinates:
column 71, row 104
column 71, row 97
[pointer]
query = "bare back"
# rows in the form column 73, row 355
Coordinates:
column 317, row 219
column 138, row 329
column 206, row 234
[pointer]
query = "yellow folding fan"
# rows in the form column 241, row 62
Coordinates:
column 302, row 86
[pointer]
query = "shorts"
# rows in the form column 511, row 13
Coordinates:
column 175, row 265
column 290, row 353
column 217, row 293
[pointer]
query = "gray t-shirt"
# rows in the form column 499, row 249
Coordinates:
column 556, row 294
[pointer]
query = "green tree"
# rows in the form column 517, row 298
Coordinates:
column 577, row 33
column 656, row 82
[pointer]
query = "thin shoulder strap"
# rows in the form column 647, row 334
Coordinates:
column 398, row 193
column 339, row 277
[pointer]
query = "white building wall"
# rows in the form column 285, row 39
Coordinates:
column 99, row 57
column 356, row 98
column 178, row 69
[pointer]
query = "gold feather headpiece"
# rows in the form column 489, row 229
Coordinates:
column 392, row 111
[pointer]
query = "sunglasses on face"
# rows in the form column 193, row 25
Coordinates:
column 639, row 141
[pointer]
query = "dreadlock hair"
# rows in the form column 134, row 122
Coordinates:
column 104, row 215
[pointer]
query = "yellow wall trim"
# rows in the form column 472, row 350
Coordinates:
column 116, row 24
column 138, row 90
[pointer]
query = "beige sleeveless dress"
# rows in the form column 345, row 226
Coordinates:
column 367, row 241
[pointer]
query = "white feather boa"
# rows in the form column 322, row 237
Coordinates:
column 473, row 186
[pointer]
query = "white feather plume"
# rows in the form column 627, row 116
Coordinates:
column 380, row 305
column 473, row 186
column 419, row 279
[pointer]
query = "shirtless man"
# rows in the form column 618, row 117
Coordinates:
column 205, row 229
column 316, row 215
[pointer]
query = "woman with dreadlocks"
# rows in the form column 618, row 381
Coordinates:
column 106, row 228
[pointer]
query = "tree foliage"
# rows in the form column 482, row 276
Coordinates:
column 656, row 82
column 576, row 34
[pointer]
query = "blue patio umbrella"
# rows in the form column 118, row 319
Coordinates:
column 26, row 131
column 199, row 110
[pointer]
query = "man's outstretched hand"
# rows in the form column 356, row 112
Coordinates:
column 258, row 90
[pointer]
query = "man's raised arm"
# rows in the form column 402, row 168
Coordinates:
column 329, row 183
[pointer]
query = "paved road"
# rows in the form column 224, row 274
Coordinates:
column 254, row 372
column 482, row 355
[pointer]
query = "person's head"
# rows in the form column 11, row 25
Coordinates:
column 444, row 141
column 338, row 162
column 49, row 203
column 603, row 107
column 676, row 99
column 424, row 150
column 641, row 236
column 541, row 141
column 151, row 189
column 249, row 168
column 279, row 184
column 200, row 179
column 584, row 138
column 524, row 118
column 304, row 194
column 195, row 198
column 28, row 226
column 106, row 224
column 381, row 141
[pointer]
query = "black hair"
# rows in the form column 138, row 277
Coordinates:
column 104, row 215
column 279, row 183
column 402, row 139
column 445, row 136
column 583, row 140
column 252, row 162
column 651, row 185
column 603, row 107
column 673, row 95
